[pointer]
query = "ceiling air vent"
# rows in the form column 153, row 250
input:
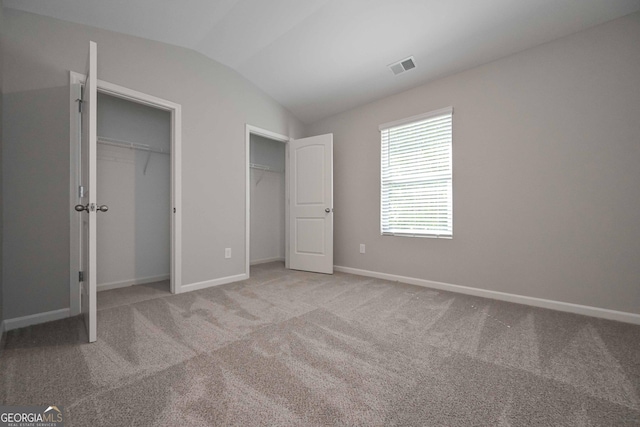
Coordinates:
column 403, row 65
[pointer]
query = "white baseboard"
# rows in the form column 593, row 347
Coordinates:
column 34, row 319
column 586, row 310
column 266, row 260
column 215, row 282
column 124, row 283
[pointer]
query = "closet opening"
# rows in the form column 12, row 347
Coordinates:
column 138, row 172
column 134, row 181
column 267, row 213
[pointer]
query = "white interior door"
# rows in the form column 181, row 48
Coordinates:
column 88, row 149
column 311, row 204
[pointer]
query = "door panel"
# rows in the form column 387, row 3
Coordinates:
column 88, row 148
column 310, row 166
column 311, row 204
column 310, row 235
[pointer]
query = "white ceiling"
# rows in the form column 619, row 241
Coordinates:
column 322, row 57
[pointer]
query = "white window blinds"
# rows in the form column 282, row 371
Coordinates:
column 416, row 176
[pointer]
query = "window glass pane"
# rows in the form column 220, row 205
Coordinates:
column 416, row 177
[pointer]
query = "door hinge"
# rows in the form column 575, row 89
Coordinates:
column 174, row 210
column 80, row 276
column 80, row 100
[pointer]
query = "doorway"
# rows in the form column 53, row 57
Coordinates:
column 267, row 169
column 308, row 199
column 159, row 194
column 134, row 181
column 267, row 191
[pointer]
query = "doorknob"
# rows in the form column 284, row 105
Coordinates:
column 327, row 210
column 81, row 208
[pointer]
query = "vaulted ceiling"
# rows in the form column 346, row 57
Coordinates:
column 322, row 57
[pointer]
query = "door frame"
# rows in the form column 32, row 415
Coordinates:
column 75, row 79
column 254, row 130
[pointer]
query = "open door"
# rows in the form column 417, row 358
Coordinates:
column 311, row 204
column 88, row 208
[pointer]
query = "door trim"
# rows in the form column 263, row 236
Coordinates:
column 176, row 179
column 254, row 130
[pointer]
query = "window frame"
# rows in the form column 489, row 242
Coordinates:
column 447, row 180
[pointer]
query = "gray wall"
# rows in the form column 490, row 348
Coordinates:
column 267, row 200
column 546, row 148
column 1, row 119
column 216, row 104
column 133, row 237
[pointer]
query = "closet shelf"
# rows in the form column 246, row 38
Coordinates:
column 134, row 146
column 264, row 168
column 131, row 145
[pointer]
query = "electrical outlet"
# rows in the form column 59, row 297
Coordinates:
column 362, row 248
column 227, row 252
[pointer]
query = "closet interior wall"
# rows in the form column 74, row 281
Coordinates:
column 267, row 158
column 133, row 237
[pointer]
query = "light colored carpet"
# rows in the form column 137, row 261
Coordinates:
column 291, row 348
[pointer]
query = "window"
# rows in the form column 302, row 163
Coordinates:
column 416, row 176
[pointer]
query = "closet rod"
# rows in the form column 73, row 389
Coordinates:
column 131, row 145
column 263, row 168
